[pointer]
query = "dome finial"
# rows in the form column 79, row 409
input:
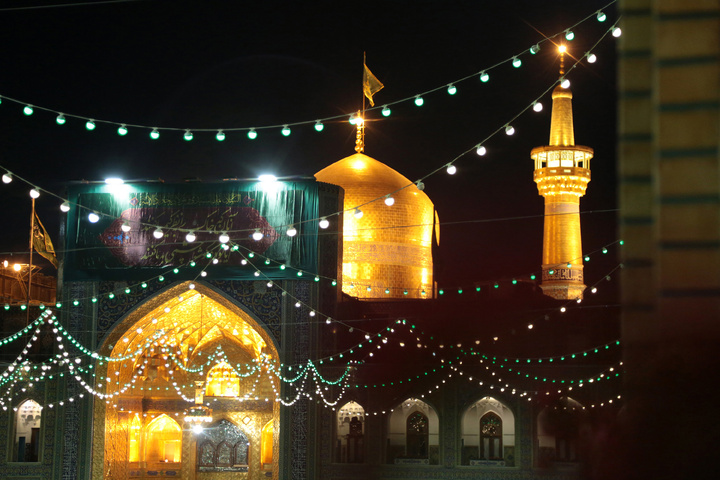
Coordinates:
column 562, row 49
column 360, row 135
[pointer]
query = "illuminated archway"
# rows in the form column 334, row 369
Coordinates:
column 183, row 346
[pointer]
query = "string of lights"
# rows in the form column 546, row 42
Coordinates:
column 188, row 134
column 480, row 149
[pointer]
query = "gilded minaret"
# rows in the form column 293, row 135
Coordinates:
column 562, row 172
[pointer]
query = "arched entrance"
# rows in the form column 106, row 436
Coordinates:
column 184, row 351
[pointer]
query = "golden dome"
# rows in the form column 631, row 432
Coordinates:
column 389, row 247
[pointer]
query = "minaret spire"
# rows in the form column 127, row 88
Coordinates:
column 562, row 172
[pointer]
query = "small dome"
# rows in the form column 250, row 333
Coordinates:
column 389, row 247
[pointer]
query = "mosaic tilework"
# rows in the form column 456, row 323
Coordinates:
column 42, row 469
column 74, row 320
column 299, row 412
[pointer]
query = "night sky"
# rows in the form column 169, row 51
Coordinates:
column 209, row 64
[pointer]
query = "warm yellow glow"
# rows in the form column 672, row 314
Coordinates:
column 135, row 436
column 386, row 248
column 17, row 267
column 222, row 381
column 164, row 439
column 359, row 164
column 562, row 48
column 266, row 443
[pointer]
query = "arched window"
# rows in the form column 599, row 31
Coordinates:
column 350, row 433
column 223, row 447
column 27, row 432
column 488, row 434
column 164, row 440
column 266, row 444
column 222, row 381
column 413, row 434
column 417, row 435
column 558, row 427
column 491, row 437
column 134, row 440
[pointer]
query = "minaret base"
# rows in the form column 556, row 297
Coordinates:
column 563, row 291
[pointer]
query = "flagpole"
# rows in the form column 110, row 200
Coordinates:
column 363, row 85
column 30, row 263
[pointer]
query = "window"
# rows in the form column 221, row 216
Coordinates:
column 266, row 444
column 222, row 381
column 488, row 434
column 164, row 440
column 349, row 439
column 134, row 440
column 491, row 437
column 413, row 434
column 27, row 432
column 417, row 435
column 222, row 447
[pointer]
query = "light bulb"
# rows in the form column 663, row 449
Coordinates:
column 252, row 134
column 188, row 135
column 386, row 111
column 60, row 119
column 591, row 58
column 565, row 83
column 93, row 217
column 323, row 223
column 481, row 150
column 389, row 201
column 535, row 49
column 122, row 130
column 451, row 169
column 601, row 17
column 220, row 136
column 291, row 232
column 509, row 130
column 452, row 90
column 285, row 131
column 319, row 126
column 7, row 177
column 257, row 235
column 484, row 77
column 516, row 62
column 190, row 237
column 419, row 101
column 569, row 35
column 125, row 227
column 65, row 207
column 225, row 238
column 358, row 213
column 420, row 185
column 158, row 233
column 154, row 134
column 562, row 48
column 537, row 106
column 34, row 193
column 28, row 110
column 90, row 124
column 114, row 181
column 616, row 32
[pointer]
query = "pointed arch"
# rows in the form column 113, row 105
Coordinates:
column 171, row 340
column 488, row 433
column 349, row 433
column 413, row 433
column 27, row 423
column 266, row 444
column 222, row 381
column 558, row 431
column 163, row 440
